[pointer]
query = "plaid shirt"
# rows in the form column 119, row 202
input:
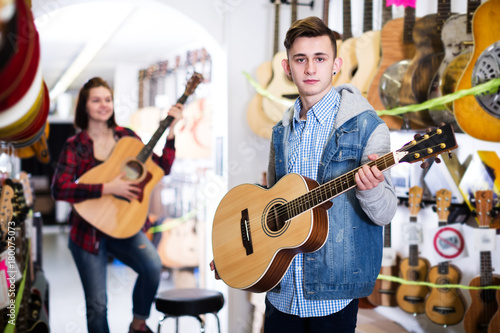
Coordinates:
column 307, row 141
column 76, row 158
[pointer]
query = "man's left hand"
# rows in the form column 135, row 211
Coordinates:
column 368, row 177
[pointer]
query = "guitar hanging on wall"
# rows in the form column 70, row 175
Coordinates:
column 257, row 232
column 115, row 216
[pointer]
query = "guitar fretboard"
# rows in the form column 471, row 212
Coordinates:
column 333, row 188
column 443, row 13
column 409, row 22
column 347, row 20
column 471, row 8
column 387, row 235
column 368, row 16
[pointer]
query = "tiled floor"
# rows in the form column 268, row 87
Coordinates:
column 67, row 306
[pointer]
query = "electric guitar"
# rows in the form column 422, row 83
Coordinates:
column 384, row 292
column 444, row 306
column 347, row 50
column 471, row 117
column 397, row 49
column 257, row 232
column 421, row 70
column 117, row 216
column 483, row 303
column 410, row 298
column 457, row 41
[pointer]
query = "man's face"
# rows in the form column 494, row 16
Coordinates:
column 311, row 62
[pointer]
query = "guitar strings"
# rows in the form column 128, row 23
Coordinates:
column 288, row 211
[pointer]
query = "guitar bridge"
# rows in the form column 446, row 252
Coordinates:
column 413, row 299
column 246, row 234
column 443, row 309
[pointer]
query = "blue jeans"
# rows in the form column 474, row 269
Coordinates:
column 138, row 253
column 343, row 321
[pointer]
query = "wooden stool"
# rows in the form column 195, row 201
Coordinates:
column 189, row 302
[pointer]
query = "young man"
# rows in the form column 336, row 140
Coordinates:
column 327, row 133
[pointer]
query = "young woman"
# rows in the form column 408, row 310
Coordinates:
column 97, row 135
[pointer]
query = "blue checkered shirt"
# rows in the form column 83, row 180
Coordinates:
column 307, row 141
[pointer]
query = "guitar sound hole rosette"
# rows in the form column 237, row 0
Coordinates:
column 487, row 68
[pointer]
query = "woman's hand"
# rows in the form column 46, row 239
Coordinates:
column 176, row 112
column 212, row 268
column 122, row 188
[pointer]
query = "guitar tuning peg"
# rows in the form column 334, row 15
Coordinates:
column 428, row 130
column 437, row 160
column 442, row 124
column 450, row 154
column 417, row 136
column 424, row 165
column 434, row 209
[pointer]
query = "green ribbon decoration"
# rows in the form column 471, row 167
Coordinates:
column 172, row 224
column 486, row 88
column 432, row 285
column 9, row 328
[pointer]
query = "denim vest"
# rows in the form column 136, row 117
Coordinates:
column 349, row 262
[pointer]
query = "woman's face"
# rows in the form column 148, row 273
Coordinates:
column 99, row 104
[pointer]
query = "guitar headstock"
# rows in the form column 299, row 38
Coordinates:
column 24, row 180
column 414, row 199
column 193, row 82
column 6, row 211
column 430, row 144
column 443, row 202
column 484, row 205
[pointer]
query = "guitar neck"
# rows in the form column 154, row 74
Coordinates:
column 367, row 16
column 326, row 9
column 387, row 235
column 294, row 10
column 276, row 26
column 164, row 124
column 409, row 23
column 347, row 20
column 333, row 188
column 471, row 8
column 386, row 13
column 443, row 12
column 486, row 269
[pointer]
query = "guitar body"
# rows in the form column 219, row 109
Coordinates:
column 256, row 118
column 455, row 40
column 411, row 298
column 471, row 117
column 347, row 52
column 368, row 57
column 178, row 246
column 281, row 87
column 445, row 306
column 384, row 293
column 273, row 250
column 495, row 321
column 428, row 42
column 117, row 217
column 393, row 51
column 482, row 308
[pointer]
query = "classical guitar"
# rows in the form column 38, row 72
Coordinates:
column 384, row 293
column 281, row 85
column 444, row 306
column 457, row 41
column 257, row 232
column 347, row 50
column 397, row 49
column 483, row 302
column 471, row 116
column 494, row 325
column 410, row 298
column 367, row 51
column 116, row 216
column 257, row 119
column 423, row 66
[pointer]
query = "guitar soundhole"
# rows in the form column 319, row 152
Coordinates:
column 443, row 280
column 276, row 218
column 413, row 275
column 133, row 170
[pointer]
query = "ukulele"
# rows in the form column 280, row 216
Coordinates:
column 470, row 116
column 444, row 306
column 117, row 216
column 457, row 41
column 422, row 68
column 397, row 48
column 367, row 52
column 410, row 298
column 347, row 50
column 384, row 293
column 257, row 119
column 281, row 85
column 257, row 232
column 483, row 303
